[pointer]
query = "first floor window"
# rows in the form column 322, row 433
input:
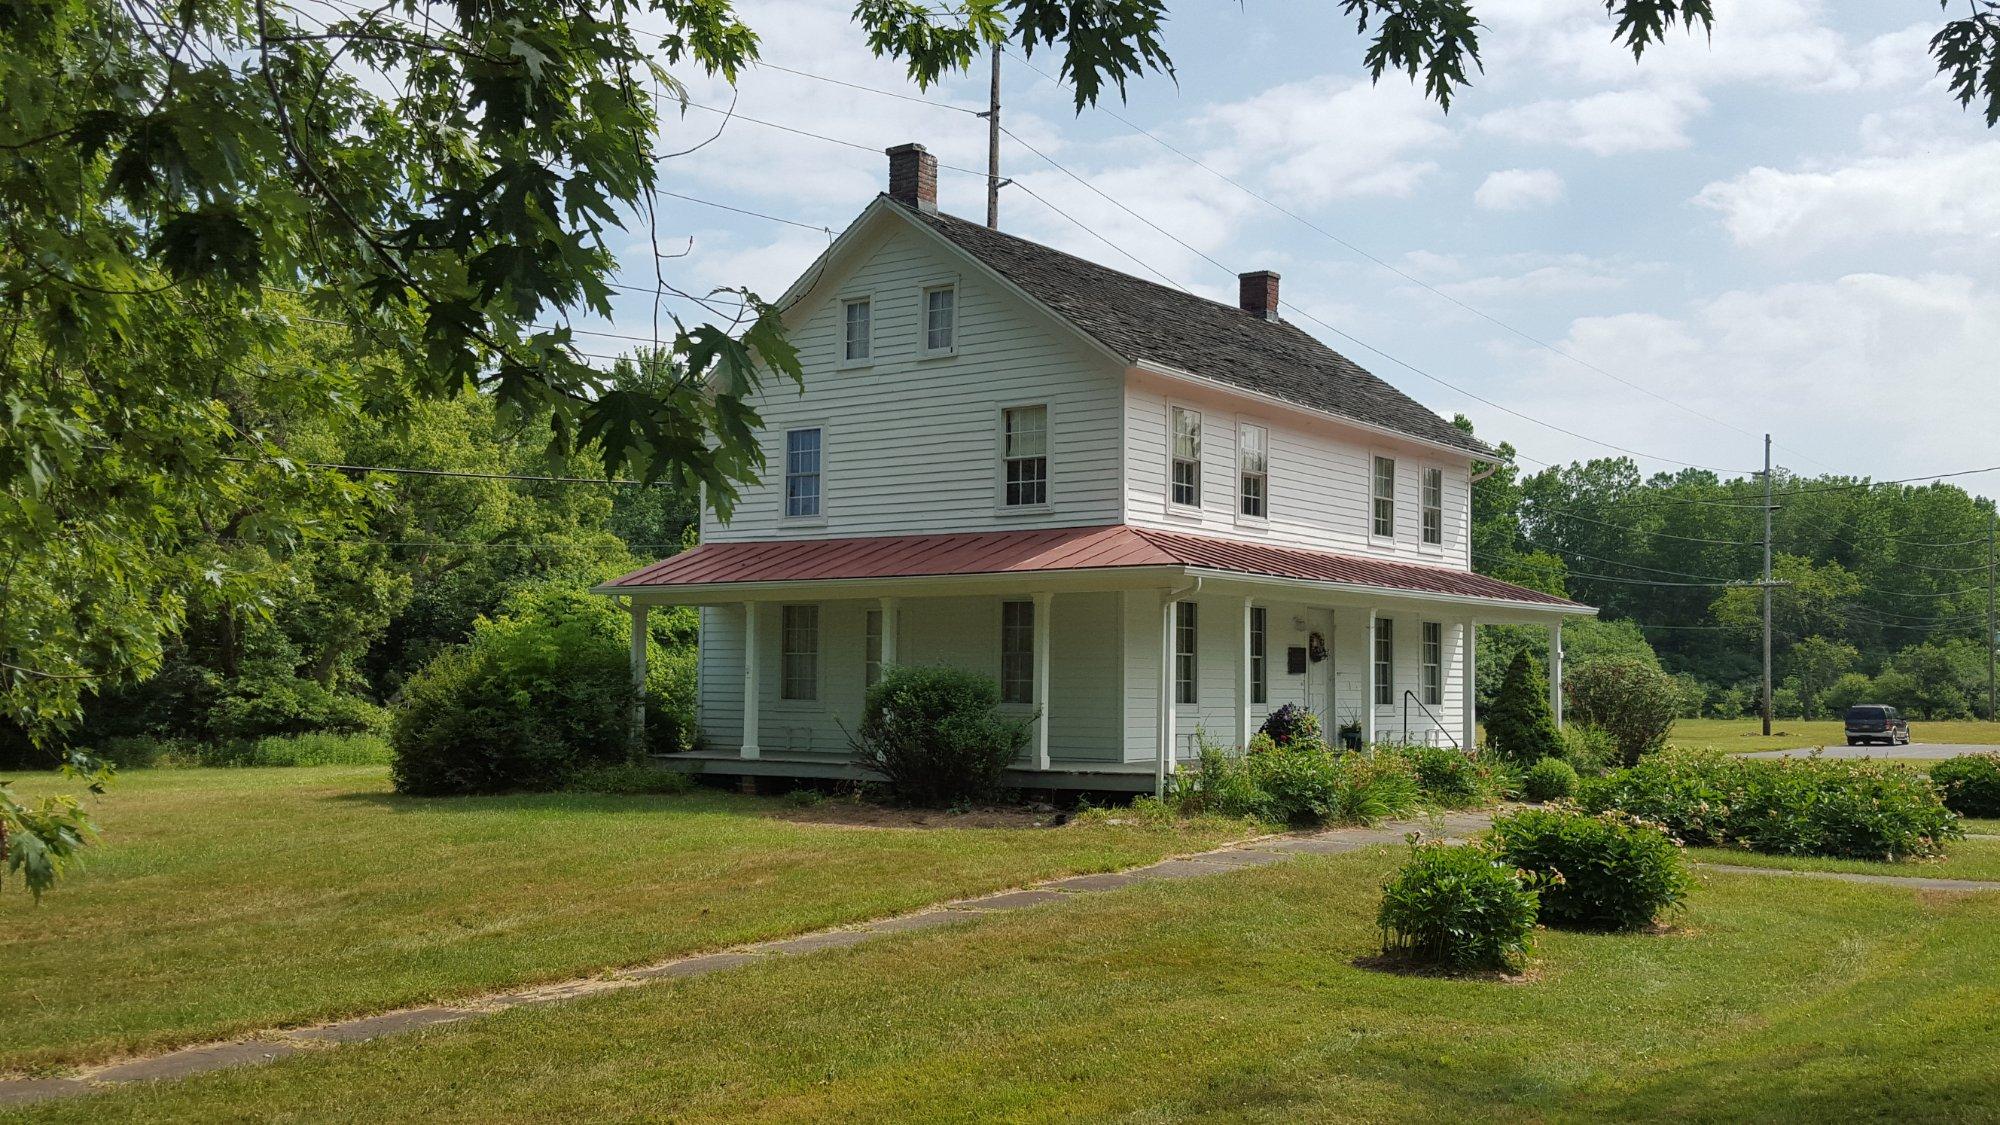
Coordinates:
column 1385, row 661
column 1186, row 437
column 1433, row 663
column 871, row 653
column 798, row 648
column 1433, row 506
column 1017, row 652
column 859, row 322
column 1253, row 461
column 1383, row 524
column 1184, row 668
column 1026, row 453
column 940, row 319
column 1260, row 684
column 802, row 461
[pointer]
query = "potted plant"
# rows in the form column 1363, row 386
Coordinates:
column 1350, row 732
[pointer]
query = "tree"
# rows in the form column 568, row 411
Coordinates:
column 1816, row 663
column 1633, row 702
column 1521, row 726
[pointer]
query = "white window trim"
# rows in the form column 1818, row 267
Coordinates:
column 1424, row 469
column 1395, row 507
column 1000, row 505
column 1424, row 666
column 784, row 466
column 840, row 338
column 924, row 291
column 1175, row 507
column 1263, row 521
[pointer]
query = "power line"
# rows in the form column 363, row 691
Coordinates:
column 459, row 473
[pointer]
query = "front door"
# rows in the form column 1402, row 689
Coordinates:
column 1319, row 674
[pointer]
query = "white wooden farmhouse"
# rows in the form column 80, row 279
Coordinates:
column 1143, row 513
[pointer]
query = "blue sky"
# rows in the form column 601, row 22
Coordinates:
column 1789, row 226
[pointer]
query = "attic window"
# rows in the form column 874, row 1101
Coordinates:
column 941, row 319
column 859, row 321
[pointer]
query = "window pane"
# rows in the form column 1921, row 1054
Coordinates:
column 1025, row 450
column 1017, row 652
column 1434, row 505
column 1259, row 682
column 799, row 652
column 1385, row 661
column 1184, row 650
column 1027, row 431
column 1187, row 434
column 1384, row 524
column 802, row 457
column 1433, row 663
column 871, row 657
column 858, row 318
column 1254, row 456
column 1253, row 494
column 938, row 315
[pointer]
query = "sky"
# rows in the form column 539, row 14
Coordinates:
column 1788, row 227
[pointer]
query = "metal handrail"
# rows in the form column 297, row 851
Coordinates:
column 1411, row 697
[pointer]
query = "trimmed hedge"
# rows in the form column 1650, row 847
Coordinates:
column 1971, row 784
column 1603, row 872
column 1458, row 908
column 1550, row 779
column 934, row 734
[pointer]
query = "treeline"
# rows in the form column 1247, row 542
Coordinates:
column 1885, row 595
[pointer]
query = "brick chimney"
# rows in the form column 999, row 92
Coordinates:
column 1258, row 293
column 913, row 177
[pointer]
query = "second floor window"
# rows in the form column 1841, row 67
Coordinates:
column 1433, row 506
column 1433, row 663
column 940, row 319
column 1385, row 661
column 1026, row 453
column 1184, row 641
column 1186, row 486
column 1253, row 458
column 802, row 473
column 1382, row 521
column 798, row 648
column 859, row 321
column 1260, row 681
column 1017, row 652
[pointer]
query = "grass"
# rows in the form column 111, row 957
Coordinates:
column 225, row 900
column 1232, row 998
column 1738, row 735
column 1982, row 826
column 1968, row 859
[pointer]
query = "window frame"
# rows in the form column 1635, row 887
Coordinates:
column 871, row 649
column 1384, row 657
column 1260, row 662
column 1001, row 459
column 1426, row 512
column 1376, row 499
column 1187, row 662
column 846, row 302
column 785, row 652
column 1174, row 410
column 1017, row 689
column 924, row 349
column 1431, row 652
column 1243, row 475
column 785, row 478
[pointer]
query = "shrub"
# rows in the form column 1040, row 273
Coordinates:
column 1304, row 785
column 1221, row 783
column 1604, row 872
column 1633, row 702
column 320, row 750
column 1520, row 726
column 1587, row 749
column 934, row 734
column 1793, row 806
column 628, row 778
column 1550, row 779
column 1444, row 775
column 1971, row 784
column 256, row 707
column 1460, row 908
column 1373, row 789
column 1292, row 724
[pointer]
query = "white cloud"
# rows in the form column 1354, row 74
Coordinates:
column 1953, row 193
column 1570, row 276
column 1328, row 138
column 1518, row 189
column 1613, row 122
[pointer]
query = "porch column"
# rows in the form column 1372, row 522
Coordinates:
column 1164, row 757
column 1368, row 686
column 1469, row 683
column 889, row 631
column 751, row 695
column 1243, row 700
column 638, row 609
column 1043, row 604
column 1556, row 671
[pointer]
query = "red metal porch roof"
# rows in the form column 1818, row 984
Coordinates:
column 1053, row 549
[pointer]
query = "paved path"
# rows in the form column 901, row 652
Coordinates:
column 1912, row 882
column 1931, row 750
column 275, row 1043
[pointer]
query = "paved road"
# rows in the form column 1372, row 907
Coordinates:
column 1913, row 750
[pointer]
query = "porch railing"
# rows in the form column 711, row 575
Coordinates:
column 1410, row 697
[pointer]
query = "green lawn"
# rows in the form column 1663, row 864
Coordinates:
column 1737, row 735
column 1968, row 859
column 1230, row 998
column 1984, row 826
column 225, row 900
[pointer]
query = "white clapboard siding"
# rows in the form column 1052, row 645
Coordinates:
column 911, row 443
column 1320, row 475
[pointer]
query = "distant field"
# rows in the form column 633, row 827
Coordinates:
column 1737, row 735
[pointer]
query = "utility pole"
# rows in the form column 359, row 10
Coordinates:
column 1767, row 585
column 992, row 116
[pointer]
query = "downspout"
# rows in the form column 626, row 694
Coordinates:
column 1163, row 754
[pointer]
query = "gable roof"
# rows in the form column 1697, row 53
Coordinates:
column 1141, row 321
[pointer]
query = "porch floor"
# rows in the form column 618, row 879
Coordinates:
column 1107, row 777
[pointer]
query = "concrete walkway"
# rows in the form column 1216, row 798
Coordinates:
column 276, row 1043
column 1927, row 750
column 1910, row 882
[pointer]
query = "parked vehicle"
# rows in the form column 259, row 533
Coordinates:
column 1873, row 722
